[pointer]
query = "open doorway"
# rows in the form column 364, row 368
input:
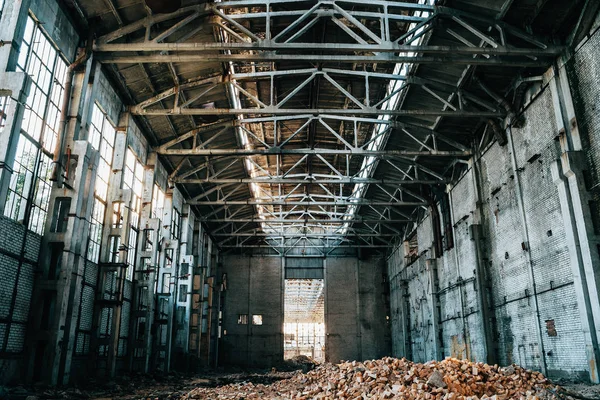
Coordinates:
column 304, row 319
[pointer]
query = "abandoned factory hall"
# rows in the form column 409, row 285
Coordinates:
column 312, row 199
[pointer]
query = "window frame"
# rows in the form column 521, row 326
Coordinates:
column 39, row 129
column 101, row 135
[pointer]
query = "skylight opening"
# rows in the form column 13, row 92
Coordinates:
column 378, row 138
column 379, row 135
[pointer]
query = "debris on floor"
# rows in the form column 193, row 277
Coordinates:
column 300, row 362
column 392, row 378
column 388, row 378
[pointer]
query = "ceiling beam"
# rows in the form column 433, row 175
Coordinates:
column 340, row 203
column 308, row 181
column 312, row 246
column 337, row 48
column 377, row 58
column 277, row 150
column 278, row 235
column 271, row 110
column 332, row 221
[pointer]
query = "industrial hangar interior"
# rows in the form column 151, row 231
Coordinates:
column 188, row 185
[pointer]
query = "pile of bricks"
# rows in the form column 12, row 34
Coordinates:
column 392, row 378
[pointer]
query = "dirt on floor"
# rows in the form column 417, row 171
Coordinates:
column 388, row 378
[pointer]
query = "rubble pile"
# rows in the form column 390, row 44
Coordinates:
column 392, row 378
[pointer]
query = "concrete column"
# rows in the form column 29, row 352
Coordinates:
column 438, row 346
column 145, row 274
column 483, row 290
column 588, row 308
column 116, row 195
column 69, row 283
column 359, row 345
column 459, row 279
column 182, row 333
column 406, row 319
column 568, row 174
column 78, row 188
column 168, row 245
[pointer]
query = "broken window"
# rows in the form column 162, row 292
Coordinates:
column 551, row 327
column 184, row 271
column 114, row 246
column 411, row 248
column 142, row 298
column 102, row 138
column 148, row 240
column 29, row 189
column 133, row 175
column 242, row 319
column 166, row 284
column 168, row 258
column 131, row 252
column 175, row 224
column 4, row 103
column 158, row 201
column 60, row 214
column 117, row 216
column 183, row 293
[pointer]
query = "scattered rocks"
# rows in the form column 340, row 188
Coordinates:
column 436, row 380
column 388, row 378
column 300, row 362
column 510, row 370
column 392, row 378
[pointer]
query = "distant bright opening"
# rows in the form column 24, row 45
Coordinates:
column 304, row 319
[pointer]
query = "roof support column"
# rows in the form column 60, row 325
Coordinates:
column 575, row 198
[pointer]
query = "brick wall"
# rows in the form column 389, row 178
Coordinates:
column 584, row 74
column 16, row 287
column 507, row 260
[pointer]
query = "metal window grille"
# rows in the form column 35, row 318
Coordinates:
column 102, row 138
column 29, row 189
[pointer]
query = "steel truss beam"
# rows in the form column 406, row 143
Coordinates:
column 254, row 32
column 332, row 221
column 312, row 181
column 270, row 57
column 246, row 32
column 313, row 246
column 380, row 154
column 295, row 111
column 304, row 235
column 199, row 92
column 195, row 141
column 358, row 202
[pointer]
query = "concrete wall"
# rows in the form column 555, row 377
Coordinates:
column 355, row 310
column 526, row 274
column 254, row 287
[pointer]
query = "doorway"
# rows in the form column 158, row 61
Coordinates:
column 304, row 319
